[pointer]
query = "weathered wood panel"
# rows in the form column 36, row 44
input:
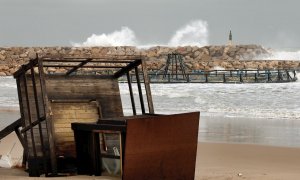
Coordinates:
column 105, row 90
column 63, row 115
column 33, row 115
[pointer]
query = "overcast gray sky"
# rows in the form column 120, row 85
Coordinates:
column 272, row 23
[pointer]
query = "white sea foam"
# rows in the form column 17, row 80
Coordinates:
column 194, row 33
column 281, row 55
column 270, row 101
column 8, row 93
column 233, row 100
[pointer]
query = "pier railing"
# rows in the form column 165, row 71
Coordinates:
column 225, row 76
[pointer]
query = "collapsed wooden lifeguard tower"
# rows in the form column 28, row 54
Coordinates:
column 79, row 99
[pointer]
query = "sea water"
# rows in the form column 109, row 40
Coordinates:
column 264, row 113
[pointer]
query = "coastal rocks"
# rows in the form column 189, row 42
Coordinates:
column 195, row 58
column 2, row 57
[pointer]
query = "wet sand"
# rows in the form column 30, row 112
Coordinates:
column 225, row 161
column 8, row 116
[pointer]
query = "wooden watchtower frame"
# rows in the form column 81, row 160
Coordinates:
column 39, row 91
column 63, row 114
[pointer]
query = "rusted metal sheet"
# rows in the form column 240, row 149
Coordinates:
column 161, row 147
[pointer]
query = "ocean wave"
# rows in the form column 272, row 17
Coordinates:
column 233, row 100
column 269, row 100
column 194, row 33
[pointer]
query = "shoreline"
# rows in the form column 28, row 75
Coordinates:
column 6, row 109
column 223, row 161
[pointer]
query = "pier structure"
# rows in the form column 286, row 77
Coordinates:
column 176, row 71
column 174, row 68
column 231, row 76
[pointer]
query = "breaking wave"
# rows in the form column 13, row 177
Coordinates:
column 123, row 37
column 281, row 55
column 194, row 33
column 267, row 100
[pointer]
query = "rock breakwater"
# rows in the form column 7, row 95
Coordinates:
column 196, row 58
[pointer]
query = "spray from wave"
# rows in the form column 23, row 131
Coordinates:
column 123, row 37
column 281, row 55
column 194, row 33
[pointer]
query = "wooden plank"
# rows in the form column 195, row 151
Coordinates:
column 80, row 60
column 106, row 91
column 78, row 66
column 128, row 68
column 10, row 128
column 47, row 110
column 147, row 87
column 20, row 95
column 20, row 137
column 63, row 115
column 25, row 68
column 29, row 115
column 139, row 89
column 131, row 93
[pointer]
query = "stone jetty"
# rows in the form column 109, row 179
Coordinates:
column 197, row 58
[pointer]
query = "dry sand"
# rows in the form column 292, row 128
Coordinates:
column 10, row 145
column 222, row 161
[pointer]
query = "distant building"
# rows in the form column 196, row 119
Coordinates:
column 230, row 39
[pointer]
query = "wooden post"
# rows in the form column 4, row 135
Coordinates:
column 241, row 77
column 176, row 67
column 287, row 75
column 49, row 122
column 29, row 114
column 224, row 78
column 172, row 66
column 38, row 119
column 131, row 94
column 25, row 154
column 255, row 77
column 140, row 90
column 147, row 87
column 269, row 76
column 206, row 77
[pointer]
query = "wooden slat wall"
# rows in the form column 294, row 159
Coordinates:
column 33, row 114
column 75, row 88
column 106, row 91
column 63, row 115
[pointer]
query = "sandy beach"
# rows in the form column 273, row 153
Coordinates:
column 221, row 161
column 226, row 161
